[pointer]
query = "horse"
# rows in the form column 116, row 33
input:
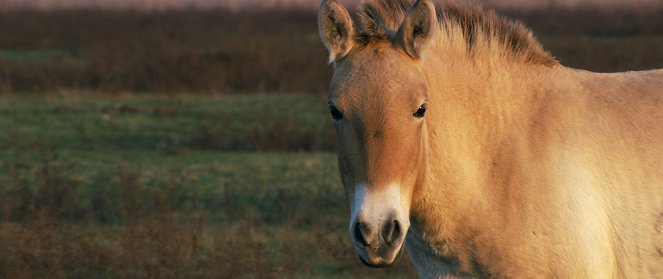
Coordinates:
column 461, row 139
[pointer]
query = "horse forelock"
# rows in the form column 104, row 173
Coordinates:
column 378, row 20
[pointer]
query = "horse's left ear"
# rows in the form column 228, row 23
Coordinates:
column 417, row 27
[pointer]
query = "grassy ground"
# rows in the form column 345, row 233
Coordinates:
column 124, row 187
column 169, row 123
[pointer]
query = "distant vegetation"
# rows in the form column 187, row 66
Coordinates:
column 194, row 51
column 220, row 51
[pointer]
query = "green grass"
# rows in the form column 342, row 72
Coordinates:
column 169, row 123
column 114, row 187
column 33, row 56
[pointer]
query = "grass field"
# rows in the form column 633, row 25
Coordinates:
column 124, row 187
column 169, row 123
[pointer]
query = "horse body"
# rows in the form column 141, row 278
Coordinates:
column 565, row 179
column 521, row 167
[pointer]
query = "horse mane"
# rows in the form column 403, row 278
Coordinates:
column 378, row 20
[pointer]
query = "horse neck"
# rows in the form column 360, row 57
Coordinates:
column 475, row 113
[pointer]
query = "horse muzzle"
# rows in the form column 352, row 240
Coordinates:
column 379, row 248
column 380, row 263
column 378, row 224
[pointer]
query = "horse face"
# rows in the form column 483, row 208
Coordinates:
column 378, row 104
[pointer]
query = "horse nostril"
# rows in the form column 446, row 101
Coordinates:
column 391, row 231
column 360, row 232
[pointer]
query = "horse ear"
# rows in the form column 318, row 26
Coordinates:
column 417, row 27
column 336, row 29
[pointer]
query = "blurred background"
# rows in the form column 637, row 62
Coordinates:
column 190, row 139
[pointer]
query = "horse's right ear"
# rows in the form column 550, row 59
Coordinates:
column 336, row 29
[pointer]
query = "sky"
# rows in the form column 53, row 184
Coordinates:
column 312, row 4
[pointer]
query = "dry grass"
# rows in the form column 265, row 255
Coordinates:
column 609, row 40
column 209, row 51
column 221, row 51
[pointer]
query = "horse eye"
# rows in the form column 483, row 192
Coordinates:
column 335, row 114
column 420, row 111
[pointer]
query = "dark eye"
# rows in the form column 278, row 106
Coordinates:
column 335, row 114
column 420, row 111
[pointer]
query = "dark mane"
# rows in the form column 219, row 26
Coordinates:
column 379, row 20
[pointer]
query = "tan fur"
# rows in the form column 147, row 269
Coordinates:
column 521, row 167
